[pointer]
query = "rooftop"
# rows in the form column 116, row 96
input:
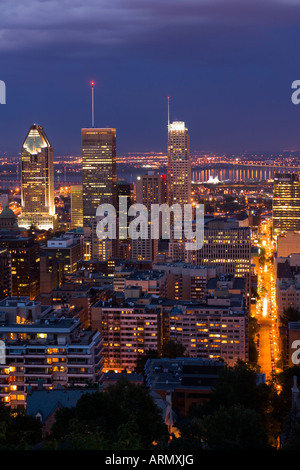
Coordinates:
column 41, row 325
column 45, row 402
column 13, row 302
column 168, row 374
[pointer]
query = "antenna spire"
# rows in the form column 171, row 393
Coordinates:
column 168, row 113
column 93, row 114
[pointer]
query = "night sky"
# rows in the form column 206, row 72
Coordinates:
column 228, row 67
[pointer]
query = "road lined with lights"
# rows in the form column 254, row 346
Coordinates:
column 266, row 308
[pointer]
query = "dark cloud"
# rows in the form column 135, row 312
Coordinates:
column 34, row 24
column 227, row 64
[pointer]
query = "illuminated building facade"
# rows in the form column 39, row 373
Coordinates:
column 151, row 189
column 5, row 270
column 25, row 265
column 47, row 352
column 186, row 281
column 179, row 164
column 151, row 282
column 227, row 244
column 99, row 177
column 288, row 244
column 286, row 203
column 127, row 332
column 211, row 331
column 37, row 181
column 287, row 283
column 124, row 190
column 67, row 250
column 76, row 206
column 179, row 179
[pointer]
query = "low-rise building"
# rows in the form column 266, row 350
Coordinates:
column 44, row 404
column 152, row 282
column 186, row 381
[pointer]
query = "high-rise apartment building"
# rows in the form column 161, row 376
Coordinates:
column 128, row 332
column 286, row 203
column 37, row 181
column 99, row 185
column 217, row 330
column 45, row 351
column 25, row 265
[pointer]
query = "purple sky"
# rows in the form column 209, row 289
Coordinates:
column 227, row 65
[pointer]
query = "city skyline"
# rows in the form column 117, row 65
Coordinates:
column 149, row 226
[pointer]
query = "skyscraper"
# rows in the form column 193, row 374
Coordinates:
column 179, row 164
column 179, row 179
column 99, row 177
column 150, row 189
column 286, row 203
column 37, row 180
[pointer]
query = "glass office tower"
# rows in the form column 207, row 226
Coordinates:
column 286, row 203
column 37, row 181
column 99, row 178
column 179, row 180
column 179, row 164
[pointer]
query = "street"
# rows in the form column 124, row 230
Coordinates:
column 266, row 309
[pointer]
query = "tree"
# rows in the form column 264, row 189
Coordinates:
column 235, row 428
column 142, row 359
column 227, row 428
column 290, row 314
column 142, row 409
column 172, row 349
column 262, row 258
column 284, row 382
column 125, row 417
column 237, row 386
column 24, row 431
column 293, row 439
column 253, row 330
column 17, row 430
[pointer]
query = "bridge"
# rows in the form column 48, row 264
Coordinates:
column 254, row 165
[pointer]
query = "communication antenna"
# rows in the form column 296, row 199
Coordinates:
column 93, row 114
column 168, row 113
